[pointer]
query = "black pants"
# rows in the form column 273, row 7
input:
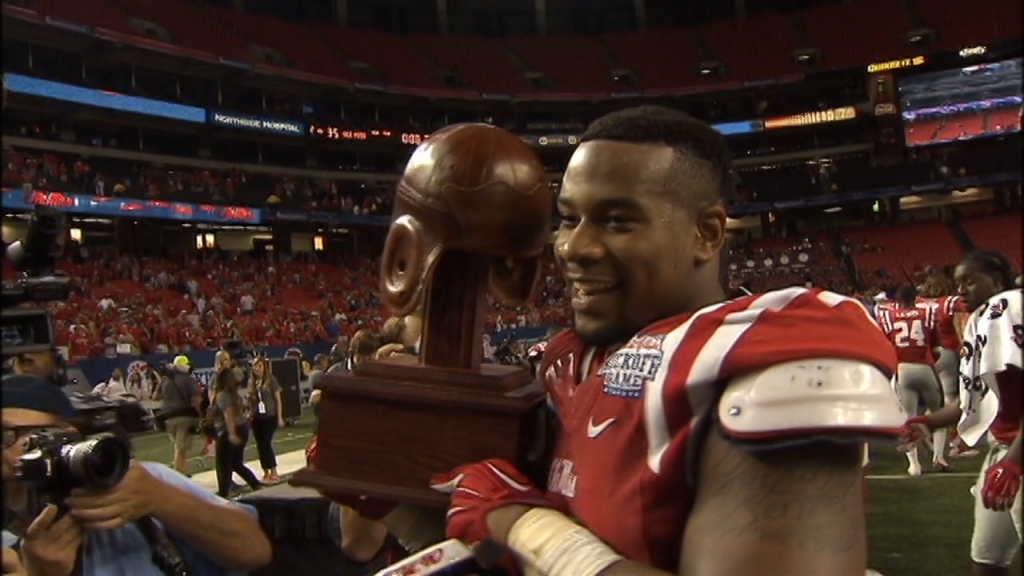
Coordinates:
column 263, row 428
column 231, row 459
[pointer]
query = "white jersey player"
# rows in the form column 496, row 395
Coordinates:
column 990, row 406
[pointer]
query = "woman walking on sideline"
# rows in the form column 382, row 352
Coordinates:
column 231, row 426
column 265, row 401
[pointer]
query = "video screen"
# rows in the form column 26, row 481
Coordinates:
column 962, row 104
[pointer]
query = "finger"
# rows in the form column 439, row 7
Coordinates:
column 94, row 515
column 42, row 522
column 71, row 537
column 11, row 562
column 986, row 500
column 85, row 500
column 105, row 524
column 446, row 483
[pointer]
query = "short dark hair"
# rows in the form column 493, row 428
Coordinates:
column 906, row 294
column 690, row 138
column 993, row 263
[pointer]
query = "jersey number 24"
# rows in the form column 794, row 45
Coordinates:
column 908, row 333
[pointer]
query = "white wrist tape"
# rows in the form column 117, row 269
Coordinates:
column 550, row 544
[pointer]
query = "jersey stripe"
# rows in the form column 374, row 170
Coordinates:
column 655, row 418
column 710, row 353
column 708, row 363
column 833, row 300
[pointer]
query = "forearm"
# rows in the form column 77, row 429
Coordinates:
column 945, row 417
column 1014, row 453
column 223, row 532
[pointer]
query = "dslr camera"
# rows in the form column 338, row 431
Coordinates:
column 30, row 329
column 57, row 462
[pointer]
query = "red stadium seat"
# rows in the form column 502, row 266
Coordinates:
column 998, row 232
column 574, row 63
column 877, row 26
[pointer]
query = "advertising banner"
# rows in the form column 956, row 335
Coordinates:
column 258, row 123
column 129, row 207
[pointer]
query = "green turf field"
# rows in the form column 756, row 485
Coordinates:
column 916, row 526
column 156, row 447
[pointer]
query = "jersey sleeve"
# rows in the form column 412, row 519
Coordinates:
column 791, row 325
column 999, row 334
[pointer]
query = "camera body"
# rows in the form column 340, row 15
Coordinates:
column 58, row 461
column 28, row 330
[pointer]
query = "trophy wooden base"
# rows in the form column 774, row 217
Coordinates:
column 387, row 428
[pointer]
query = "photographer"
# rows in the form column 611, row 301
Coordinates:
column 99, row 533
column 182, row 401
column 46, row 365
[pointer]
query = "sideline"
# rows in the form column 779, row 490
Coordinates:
column 287, row 463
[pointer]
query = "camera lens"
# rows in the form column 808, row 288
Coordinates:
column 99, row 462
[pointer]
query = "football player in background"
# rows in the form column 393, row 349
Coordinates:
column 950, row 315
column 989, row 406
column 910, row 326
column 697, row 435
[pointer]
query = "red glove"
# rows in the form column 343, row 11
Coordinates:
column 478, row 488
column 911, row 434
column 1002, row 481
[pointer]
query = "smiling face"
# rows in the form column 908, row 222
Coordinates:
column 633, row 248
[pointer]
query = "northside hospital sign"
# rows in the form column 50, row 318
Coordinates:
column 262, row 124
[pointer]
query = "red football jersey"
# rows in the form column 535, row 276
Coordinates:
column 620, row 465
column 912, row 331
column 946, row 310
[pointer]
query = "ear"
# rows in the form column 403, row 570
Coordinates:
column 710, row 232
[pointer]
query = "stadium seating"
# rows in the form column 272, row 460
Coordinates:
column 757, row 48
column 485, row 63
column 661, row 59
column 963, row 24
column 191, row 27
column 306, row 51
column 997, row 232
column 754, row 49
column 183, row 184
column 573, row 62
column 878, row 28
column 901, row 251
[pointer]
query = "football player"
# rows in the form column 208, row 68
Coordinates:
column 697, row 435
column 990, row 405
column 950, row 315
column 911, row 328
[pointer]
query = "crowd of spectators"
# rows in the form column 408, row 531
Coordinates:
column 109, row 177
column 133, row 305
column 139, row 305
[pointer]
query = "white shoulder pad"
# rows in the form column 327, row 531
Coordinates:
column 821, row 396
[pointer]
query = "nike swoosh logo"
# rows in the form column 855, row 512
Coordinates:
column 593, row 431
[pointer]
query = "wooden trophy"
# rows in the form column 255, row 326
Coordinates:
column 472, row 214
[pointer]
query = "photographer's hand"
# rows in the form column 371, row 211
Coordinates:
column 50, row 546
column 12, row 565
column 112, row 508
